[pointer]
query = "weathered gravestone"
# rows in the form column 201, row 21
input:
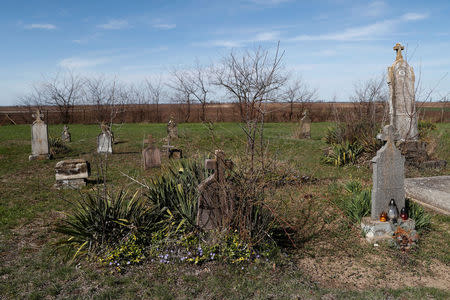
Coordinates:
column 65, row 135
column 305, row 126
column 388, row 176
column 172, row 129
column 39, row 139
column 402, row 108
column 151, row 156
column 71, row 173
column 215, row 203
column 104, row 140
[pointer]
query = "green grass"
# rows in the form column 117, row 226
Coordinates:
column 30, row 208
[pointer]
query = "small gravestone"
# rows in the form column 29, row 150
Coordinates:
column 388, row 176
column 65, row 135
column 151, row 156
column 402, row 108
column 104, row 140
column 215, row 203
column 71, row 173
column 172, row 129
column 39, row 139
column 305, row 126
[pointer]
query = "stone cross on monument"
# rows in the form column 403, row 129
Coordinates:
column 398, row 47
column 39, row 138
column 38, row 116
column 215, row 203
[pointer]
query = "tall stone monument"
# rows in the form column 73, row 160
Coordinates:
column 402, row 108
column 215, row 203
column 65, row 135
column 388, row 176
column 172, row 129
column 39, row 138
column 104, row 140
column 305, row 126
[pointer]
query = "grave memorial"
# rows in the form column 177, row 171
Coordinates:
column 104, row 140
column 215, row 203
column 72, row 173
column 305, row 126
column 39, row 138
column 65, row 135
column 151, row 156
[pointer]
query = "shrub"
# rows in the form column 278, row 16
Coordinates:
column 104, row 219
column 418, row 214
column 342, row 154
column 425, row 127
column 57, row 146
column 358, row 204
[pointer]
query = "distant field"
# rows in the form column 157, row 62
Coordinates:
column 333, row 263
column 224, row 112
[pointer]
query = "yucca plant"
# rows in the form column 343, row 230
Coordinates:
column 419, row 215
column 342, row 154
column 358, row 205
column 177, row 190
column 57, row 146
column 103, row 219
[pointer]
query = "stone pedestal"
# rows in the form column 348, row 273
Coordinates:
column 71, row 173
column 375, row 230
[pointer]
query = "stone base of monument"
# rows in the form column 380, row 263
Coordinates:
column 375, row 231
column 70, row 183
column 71, row 173
column 40, row 157
column 416, row 155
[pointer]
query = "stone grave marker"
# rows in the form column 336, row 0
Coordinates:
column 104, row 140
column 172, row 129
column 215, row 203
column 39, row 138
column 71, row 173
column 151, row 156
column 432, row 192
column 402, row 108
column 305, row 126
column 388, row 176
column 65, row 135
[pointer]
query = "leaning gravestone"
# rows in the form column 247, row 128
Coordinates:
column 402, row 108
column 71, row 173
column 104, row 140
column 215, row 203
column 388, row 176
column 305, row 126
column 65, row 135
column 39, row 139
column 151, row 156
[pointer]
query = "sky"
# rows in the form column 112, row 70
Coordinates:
column 331, row 44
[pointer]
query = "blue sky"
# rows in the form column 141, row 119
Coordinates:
column 331, row 44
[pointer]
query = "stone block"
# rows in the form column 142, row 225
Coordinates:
column 375, row 230
column 72, row 169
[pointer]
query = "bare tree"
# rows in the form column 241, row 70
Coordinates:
column 368, row 96
column 298, row 92
column 107, row 97
column 64, row 91
column 154, row 93
column 181, row 86
column 252, row 78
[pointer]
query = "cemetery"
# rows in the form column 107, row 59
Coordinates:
column 250, row 209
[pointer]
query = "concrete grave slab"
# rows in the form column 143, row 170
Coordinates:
column 432, row 192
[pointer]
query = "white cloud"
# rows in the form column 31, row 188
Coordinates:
column 77, row 63
column 266, row 36
column 164, row 26
column 371, row 31
column 115, row 24
column 269, row 2
column 236, row 43
column 40, row 26
column 414, row 16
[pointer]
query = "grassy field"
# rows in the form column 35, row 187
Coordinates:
column 333, row 261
